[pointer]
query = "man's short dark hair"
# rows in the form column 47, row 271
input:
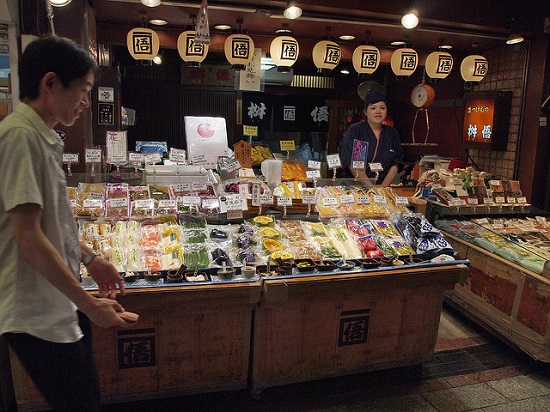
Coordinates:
column 55, row 54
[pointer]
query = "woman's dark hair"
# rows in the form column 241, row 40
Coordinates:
column 55, row 54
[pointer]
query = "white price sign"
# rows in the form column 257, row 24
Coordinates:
column 363, row 200
column 330, row 201
column 376, row 167
column 346, row 199
column 313, row 174
column 402, row 200
column 136, row 158
column 266, row 199
column 333, row 161
column 167, row 204
column 151, row 159
column 144, row 204
column 358, row 164
column 308, row 199
column 71, row 158
column 92, row 156
column 177, row 155
column 314, row 164
column 380, row 199
column 284, row 201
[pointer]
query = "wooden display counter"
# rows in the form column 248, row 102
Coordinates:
column 505, row 298
column 316, row 327
column 188, row 339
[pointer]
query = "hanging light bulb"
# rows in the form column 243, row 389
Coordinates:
column 514, row 38
column 151, row 3
column 157, row 59
column 409, row 20
column 59, row 3
column 292, row 11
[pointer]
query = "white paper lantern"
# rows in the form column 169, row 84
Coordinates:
column 366, row 59
column 142, row 43
column 239, row 50
column 326, row 55
column 404, row 62
column 439, row 64
column 191, row 52
column 284, row 52
column 474, row 68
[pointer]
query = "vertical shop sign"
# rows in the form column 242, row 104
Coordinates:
column 354, row 327
column 136, row 348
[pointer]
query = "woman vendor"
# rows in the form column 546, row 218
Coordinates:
column 384, row 154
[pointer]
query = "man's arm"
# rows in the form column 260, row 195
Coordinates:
column 43, row 256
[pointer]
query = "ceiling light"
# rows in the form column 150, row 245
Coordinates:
column 445, row 47
column 346, row 37
column 281, row 32
column 292, row 11
column 158, row 22
column 398, row 43
column 409, row 20
column 345, row 70
column 514, row 38
column 157, row 59
column 151, row 3
column 222, row 27
column 59, row 3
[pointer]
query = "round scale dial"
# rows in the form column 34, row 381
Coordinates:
column 422, row 96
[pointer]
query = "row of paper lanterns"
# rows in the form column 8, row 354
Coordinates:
column 143, row 44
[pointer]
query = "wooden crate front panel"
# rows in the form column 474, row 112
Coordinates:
column 345, row 326
column 534, row 306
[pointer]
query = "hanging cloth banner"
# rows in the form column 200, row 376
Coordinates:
column 202, row 35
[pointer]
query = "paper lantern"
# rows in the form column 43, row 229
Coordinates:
column 326, row 55
column 366, row 59
column 404, row 62
column 142, row 43
column 239, row 50
column 284, row 52
column 474, row 68
column 191, row 52
column 439, row 64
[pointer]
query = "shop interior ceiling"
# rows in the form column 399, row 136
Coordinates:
column 467, row 25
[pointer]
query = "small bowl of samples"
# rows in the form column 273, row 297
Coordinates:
column 285, row 269
column 326, row 265
column 130, row 277
column 345, row 264
column 370, row 263
column 196, row 276
column 305, row 265
column 248, row 271
column 226, row 273
column 266, row 271
column 152, row 276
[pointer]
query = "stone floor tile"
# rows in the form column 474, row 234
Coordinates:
column 519, row 387
column 413, row 403
column 464, row 398
column 538, row 404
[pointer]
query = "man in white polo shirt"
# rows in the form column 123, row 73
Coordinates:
column 44, row 310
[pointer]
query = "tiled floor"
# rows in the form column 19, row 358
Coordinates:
column 471, row 371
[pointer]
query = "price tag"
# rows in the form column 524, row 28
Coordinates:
column 250, row 130
column 287, row 145
column 358, row 164
column 314, row 164
column 181, row 187
column 308, row 199
column 94, row 204
column 71, row 158
column 167, row 204
column 380, row 199
column 198, row 158
column 500, row 200
column 346, row 199
column 284, row 201
column 456, row 202
column 473, row 201
column 483, row 221
column 210, row 203
column 511, row 200
column 92, row 156
column 333, row 161
column 143, row 204
column 266, row 199
column 235, row 214
column 232, row 202
column 522, row 200
column 194, row 200
column 116, row 203
column 363, row 200
column 232, row 166
column 199, row 186
column 330, row 201
column 177, row 155
column 152, row 158
column 487, row 200
column 376, row 167
column 136, row 158
column 313, row 174
column 402, row 200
